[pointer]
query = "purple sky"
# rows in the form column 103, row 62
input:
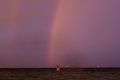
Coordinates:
column 88, row 35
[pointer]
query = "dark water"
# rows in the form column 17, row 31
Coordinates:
column 65, row 74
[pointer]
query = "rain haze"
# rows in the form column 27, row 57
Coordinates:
column 44, row 33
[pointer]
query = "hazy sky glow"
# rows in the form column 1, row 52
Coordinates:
column 43, row 33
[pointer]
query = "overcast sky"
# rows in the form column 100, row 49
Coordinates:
column 88, row 33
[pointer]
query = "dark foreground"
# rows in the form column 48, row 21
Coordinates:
column 65, row 74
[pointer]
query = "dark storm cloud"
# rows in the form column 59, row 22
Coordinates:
column 88, row 33
column 24, row 32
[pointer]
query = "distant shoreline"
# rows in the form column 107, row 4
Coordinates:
column 71, row 68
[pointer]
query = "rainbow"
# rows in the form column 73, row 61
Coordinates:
column 13, row 16
column 57, row 25
column 53, row 33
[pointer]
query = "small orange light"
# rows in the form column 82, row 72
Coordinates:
column 58, row 68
